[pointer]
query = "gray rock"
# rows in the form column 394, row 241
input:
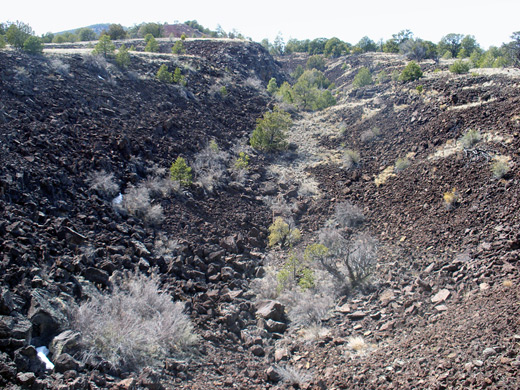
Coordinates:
column 270, row 310
column 65, row 362
column 17, row 327
column 65, row 342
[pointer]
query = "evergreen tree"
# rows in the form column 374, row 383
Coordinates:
column 104, row 47
column 123, row 57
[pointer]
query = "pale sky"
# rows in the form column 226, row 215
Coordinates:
column 491, row 22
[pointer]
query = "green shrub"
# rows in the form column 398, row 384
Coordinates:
column 33, row 45
column 272, row 86
column 17, row 33
column 500, row 168
column 270, row 131
column 151, row 44
column 3, row 43
column 178, row 48
column 411, row 72
column 401, row 164
column 460, row 66
column 104, row 47
column 382, row 77
column 363, row 77
column 178, row 78
column 419, row 89
column 135, row 325
column 181, row 172
column 163, row 74
column 471, row 138
column 242, row 161
column 280, row 233
column 316, row 62
column 295, row 272
column 223, row 91
column 123, row 57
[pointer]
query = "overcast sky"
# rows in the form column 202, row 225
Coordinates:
column 491, row 22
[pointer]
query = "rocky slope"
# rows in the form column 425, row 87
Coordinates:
column 443, row 308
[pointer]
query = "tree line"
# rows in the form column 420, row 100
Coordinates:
column 450, row 46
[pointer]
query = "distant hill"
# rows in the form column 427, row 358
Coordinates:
column 98, row 28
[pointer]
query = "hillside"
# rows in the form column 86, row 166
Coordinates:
column 441, row 309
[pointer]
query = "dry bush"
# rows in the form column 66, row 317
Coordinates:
column 306, row 308
column 165, row 247
column 210, row 166
column 451, row 199
column 351, row 158
column 293, row 376
column 401, row 164
column 471, row 138
column 103, row 183
column 348, row 215
column 59, row 66
column 370, row 134
column 137, row 202
column 500, row 167
column 134, row 326
column 350, row 261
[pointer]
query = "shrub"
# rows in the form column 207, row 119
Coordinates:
column 370, row 134
column 3, row 43
column 151, row 44
column 178, row 78
column 104, row 47
column 123, row 57
column 382, row 77
column 315, row 62
column 137, row 202
column 270, row 131
column 87, row 34
column 419, row 89
column 103, row 183
column 242, row 161
column 181, row 172
column 350, row 262
column 363, row 77
column 293, row 376
column 134, row 326
column 163, row 74
column 116, row 31
column 500, row 168
column 460, row 66
column 352, row 158
column 348, row 215
column 295, row 272
column 17, row 33
column 272, row 86
column 451, row 199
column 471, row 138
column 210, row 165
column 223, row 91
column 280, row 233
column 401, row 164
column 178, row 48
column 33, row 45
column 411, row 72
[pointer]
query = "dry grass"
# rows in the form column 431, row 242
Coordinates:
column 103, row 183
column 385, row 174
column 293, row 376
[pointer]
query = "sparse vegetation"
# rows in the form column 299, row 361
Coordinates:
column 471, row 138
column 242, row 161
column 351, row 158
column 401, row 164
column 500, row 167
column 348, row 215
column 133, row 326
column 451, row 199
